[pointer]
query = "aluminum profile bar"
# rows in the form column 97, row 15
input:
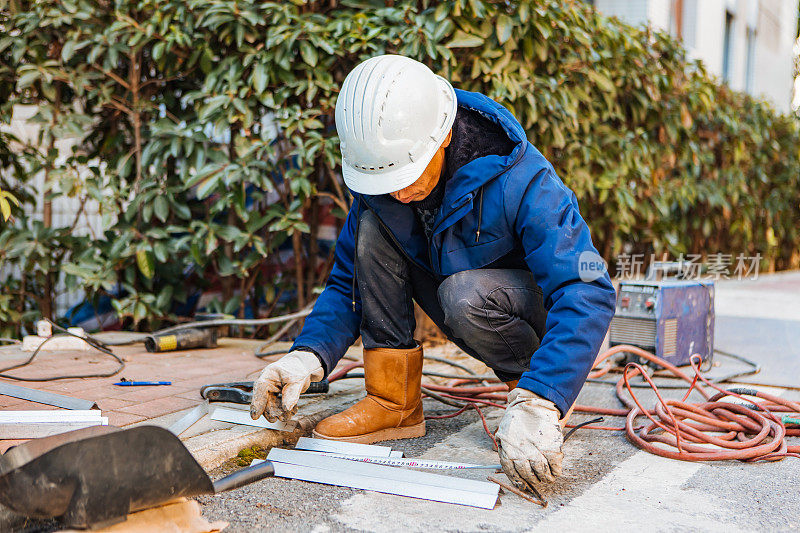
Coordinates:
column 35, row 430
column 320, row 468
column 346, row 448
column 242, row 417
column 19, row 417
column 189, row 419
column 46, row 398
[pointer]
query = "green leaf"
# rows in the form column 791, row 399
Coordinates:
column 259, row 78
column 504, row 26
column 602, row 81
column 160, row 252
column 158, row 50
column 309, row 53
column 208, row 186
column 161, row 208
column 27, row 79
column 5, row 208
column 464, row 40
column 68, row 51
column 146, row 264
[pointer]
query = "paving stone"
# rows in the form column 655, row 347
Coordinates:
column 149, row 392
column 161, row 406
column 117, row 418
column 233, row 360
column 110, row 404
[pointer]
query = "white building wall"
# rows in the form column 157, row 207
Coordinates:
column 775, row 38
column 65, row 210
column 658, row 14
column 631, row 11
column 774, row 22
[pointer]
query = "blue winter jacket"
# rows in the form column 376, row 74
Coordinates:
column 528, row 216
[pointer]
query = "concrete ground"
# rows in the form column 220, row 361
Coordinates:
column 608, row 484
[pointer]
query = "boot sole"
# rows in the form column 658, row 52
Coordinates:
column 408, row 432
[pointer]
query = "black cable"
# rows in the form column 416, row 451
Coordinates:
column 238, row 321
column 451, row 363
column 91, row 341
column 582, row 424
column 262, row 355
column 352, row 375
column 484, row 377
column 442, row 399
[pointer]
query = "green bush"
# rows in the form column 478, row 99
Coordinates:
column 179, row 106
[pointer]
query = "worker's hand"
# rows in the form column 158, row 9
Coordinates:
column 290, row 376
column 529, row 439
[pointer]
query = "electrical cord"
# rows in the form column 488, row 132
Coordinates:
column 260, row 353
column 238, row 321
column 451, row 363
column 91, row 341
column 744, row 432
column 676, row 429
column 755, row 368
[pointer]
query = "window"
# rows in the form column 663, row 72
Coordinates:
column 750, row 66
column 727, row 47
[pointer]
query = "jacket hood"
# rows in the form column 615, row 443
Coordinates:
column 477, row 172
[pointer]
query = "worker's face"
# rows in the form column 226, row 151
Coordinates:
column 421, row 188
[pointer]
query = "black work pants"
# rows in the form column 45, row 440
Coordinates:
column 494, row 315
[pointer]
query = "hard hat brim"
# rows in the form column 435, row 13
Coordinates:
column 386, row 182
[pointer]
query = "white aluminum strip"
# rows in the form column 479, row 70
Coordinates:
column 189, row 419
column 396, row 453
column 46, row 429
column 320, row 468
column 240, row 416
column 414, row 463
column 347, row 448
column 47, row 398
column 11, row 417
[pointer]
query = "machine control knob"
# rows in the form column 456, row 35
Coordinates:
column 625, row 301
column 650, row 303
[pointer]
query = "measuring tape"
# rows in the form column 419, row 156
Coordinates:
column 413, row 463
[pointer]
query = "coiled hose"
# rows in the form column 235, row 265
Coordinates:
column 716, row 429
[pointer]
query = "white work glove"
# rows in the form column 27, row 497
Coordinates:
column 529, row 439
column 290, row 376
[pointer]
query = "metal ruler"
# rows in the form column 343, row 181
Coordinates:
column 413, row 463
column 324, row 468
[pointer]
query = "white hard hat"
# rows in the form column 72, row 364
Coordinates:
column 392, row 115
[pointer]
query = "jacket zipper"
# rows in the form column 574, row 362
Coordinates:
column 480, row 217
column 355, row 254
column 509, row 167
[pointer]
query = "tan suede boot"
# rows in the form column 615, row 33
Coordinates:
column 393, row 406
column 513, row 383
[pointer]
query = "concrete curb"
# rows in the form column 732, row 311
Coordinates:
column 212, row 443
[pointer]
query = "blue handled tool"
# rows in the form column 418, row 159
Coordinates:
column 127, row 383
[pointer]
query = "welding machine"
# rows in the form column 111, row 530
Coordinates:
column 672, row 318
